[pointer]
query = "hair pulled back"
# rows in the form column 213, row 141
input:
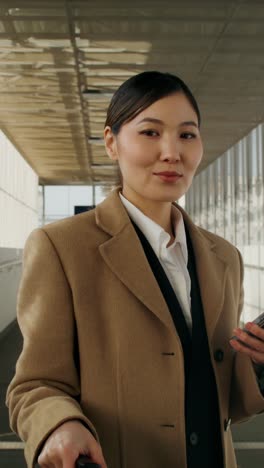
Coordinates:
column 139, row 92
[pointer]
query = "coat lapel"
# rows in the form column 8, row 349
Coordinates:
column 125, row 256
column 211, row 270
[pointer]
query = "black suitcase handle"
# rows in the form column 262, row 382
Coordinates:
column 86, row 462
column 82, row 462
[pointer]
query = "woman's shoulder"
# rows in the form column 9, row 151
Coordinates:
column 222, row 245
column 71, row 222
column 73, row 230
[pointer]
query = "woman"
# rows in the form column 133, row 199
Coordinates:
column 127, row 311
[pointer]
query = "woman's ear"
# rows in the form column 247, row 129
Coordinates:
column 110, row 143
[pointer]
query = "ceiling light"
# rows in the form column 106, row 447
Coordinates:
column 13, row 11
column 100, row 50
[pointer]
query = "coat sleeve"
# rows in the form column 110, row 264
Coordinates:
column 246, row 398
column 45, row 390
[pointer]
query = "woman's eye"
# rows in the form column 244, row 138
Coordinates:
column 188, row 135
column 149, row 133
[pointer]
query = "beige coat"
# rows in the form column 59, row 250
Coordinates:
column 95, row 325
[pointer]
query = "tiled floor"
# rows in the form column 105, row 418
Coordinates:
column 10, row 346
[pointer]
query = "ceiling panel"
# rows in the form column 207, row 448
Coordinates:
column 52, row 52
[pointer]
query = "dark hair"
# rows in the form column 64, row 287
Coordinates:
column 139, row 92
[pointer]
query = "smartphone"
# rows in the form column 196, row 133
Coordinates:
column 258, row 321
column 86, row 462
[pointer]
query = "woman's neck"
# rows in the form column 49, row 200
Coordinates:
column 159, row 212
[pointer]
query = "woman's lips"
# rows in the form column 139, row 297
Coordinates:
column 168, row 176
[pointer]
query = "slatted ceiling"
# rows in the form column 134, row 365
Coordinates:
column 95, row 129
column 99, row 154
column 122, row 74
column 103, row 82
column 50, row 51
column 97, row 149
column 107, row 178
column 102, row 159
column 185, row 59
column 109, row 46
column 98, row 121
column 96, row 58
column 25, row 58
column 147, row 27
column 105, row 165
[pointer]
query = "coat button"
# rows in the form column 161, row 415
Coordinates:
column 219, row 355
column 194, row 439
column 227, row 424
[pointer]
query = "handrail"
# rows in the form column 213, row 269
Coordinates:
column 253, row 267
column 249, row 445
column 5, row 265
column 8, row 445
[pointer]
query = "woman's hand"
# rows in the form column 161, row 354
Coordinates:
column 252, row 346
column 67, row 443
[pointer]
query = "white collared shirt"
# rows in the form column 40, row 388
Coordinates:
column 174, row 258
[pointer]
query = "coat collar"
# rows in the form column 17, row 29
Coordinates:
column 124, row 255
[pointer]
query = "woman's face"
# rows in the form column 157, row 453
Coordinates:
column 158, row 151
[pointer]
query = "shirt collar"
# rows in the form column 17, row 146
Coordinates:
column 155, row 234
column 179, row 230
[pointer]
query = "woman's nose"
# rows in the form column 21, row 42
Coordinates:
column 171, row 151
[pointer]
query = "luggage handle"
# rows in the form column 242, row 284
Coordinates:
column 82, row 462
column 86, row 462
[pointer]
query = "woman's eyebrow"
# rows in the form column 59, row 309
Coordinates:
column 158, row 121
column 189, row 122
column 151, row 119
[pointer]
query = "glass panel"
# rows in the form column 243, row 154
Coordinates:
column 253, row 198
column 219, row 197
column 191, row 202
column 230, row 196
column 241, row 195
column 204, row 198
column 211, row 198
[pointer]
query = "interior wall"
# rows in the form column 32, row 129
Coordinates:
column 10, row 274
column 18, row 196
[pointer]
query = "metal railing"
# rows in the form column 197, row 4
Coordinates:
column 8, row 265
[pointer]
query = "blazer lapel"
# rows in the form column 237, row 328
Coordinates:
column 211, row 270
column 125, row 256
